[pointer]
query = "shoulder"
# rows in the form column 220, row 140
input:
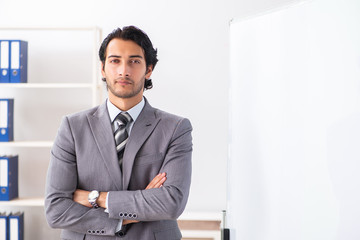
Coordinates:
column 173, row 120
column 81, row 115
column 79, row 121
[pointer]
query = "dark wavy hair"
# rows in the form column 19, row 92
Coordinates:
column 140, row 38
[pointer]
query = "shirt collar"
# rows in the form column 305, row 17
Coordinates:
column 134, row 111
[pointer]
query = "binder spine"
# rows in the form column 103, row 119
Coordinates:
column 16, row 226
column 18, row 61
column 4, row 227
column 4, row 61
column 9, row 177
column 6, row 120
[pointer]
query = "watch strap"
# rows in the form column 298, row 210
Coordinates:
column 94, row 204
column 122, row 231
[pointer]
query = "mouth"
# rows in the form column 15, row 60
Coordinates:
column 123, row 82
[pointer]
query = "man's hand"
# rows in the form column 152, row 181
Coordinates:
column 81, row 196
column 157, row 181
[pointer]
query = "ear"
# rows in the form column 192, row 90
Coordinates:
column 149, row 71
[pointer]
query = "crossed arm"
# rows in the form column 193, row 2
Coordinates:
column 71, row 211
column 81, row 196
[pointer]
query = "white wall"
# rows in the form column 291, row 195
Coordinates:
column 295, row 96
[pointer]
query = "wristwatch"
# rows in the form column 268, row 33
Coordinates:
column 92, row 197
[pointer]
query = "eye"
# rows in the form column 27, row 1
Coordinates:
column 135, row 61
column 114, row 60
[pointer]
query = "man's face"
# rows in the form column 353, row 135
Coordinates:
column 125, row 69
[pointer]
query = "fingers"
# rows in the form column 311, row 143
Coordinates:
column 162, row 179
column 127, row 221
column 157, row 181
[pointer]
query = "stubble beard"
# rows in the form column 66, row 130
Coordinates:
column 122, row 93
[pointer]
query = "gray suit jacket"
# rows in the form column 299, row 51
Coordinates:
column 84, row 156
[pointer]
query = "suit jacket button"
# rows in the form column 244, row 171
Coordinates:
column 121, row 214
column 134, row 215
column 125, row 214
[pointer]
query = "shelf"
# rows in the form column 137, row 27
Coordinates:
column 27, row 144
column 24, row 202
column 47, row 85
column 205, row 216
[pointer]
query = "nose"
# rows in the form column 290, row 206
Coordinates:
column 124, row 70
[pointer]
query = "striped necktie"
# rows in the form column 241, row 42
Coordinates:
column 121, row 136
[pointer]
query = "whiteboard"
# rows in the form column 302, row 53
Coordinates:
column 294, row 148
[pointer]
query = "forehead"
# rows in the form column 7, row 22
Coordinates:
column 123, row 48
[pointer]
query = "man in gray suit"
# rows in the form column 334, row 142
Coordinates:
column 95, row 188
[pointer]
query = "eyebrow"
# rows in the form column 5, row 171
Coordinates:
column 131, row 56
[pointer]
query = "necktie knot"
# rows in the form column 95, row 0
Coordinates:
column 123, row 118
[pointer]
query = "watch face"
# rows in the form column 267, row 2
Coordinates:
column 93, row 194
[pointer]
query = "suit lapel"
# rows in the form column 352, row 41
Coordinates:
column 101, row 128
column 143, row 127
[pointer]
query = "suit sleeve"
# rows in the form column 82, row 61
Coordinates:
column 167, row 202
column 61, row 211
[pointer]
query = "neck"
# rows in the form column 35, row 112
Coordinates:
column 124, row 104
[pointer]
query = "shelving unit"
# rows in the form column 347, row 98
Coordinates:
column 56, row 73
